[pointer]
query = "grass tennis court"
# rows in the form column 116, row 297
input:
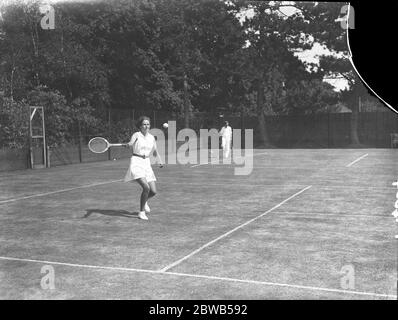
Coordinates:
column 283, row 232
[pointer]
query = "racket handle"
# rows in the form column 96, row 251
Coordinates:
column 117, row 144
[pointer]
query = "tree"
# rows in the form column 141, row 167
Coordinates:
column 14, row 122
column 127, row 36
column 218, row 36
column 309, row 96
column 340, row 67
column 177, row 48
column 330, row 33
column 268, row 57
column 60, row 116
column 16, row 52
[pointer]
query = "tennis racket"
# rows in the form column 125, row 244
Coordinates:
column 100, row 145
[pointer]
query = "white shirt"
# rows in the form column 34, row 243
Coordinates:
column 142, row 145
column 226, row 132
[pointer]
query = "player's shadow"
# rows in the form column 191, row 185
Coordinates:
column 112, row 213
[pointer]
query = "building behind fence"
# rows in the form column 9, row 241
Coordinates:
column 323, row 130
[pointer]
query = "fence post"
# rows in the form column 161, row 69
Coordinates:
column 328, row 119
column 242, row 131
column 377, row 129
column 30, row 151
column 80, row 141
column 48, row 157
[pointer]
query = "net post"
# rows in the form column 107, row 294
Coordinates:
column 30, row 151
column 34, row 134
column 44, row 140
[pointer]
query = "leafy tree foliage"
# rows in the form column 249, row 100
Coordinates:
column 176, row 56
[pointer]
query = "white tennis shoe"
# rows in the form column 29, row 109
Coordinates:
column 142, row 215
column 146, row 208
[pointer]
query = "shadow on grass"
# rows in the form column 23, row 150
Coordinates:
column 112, row 213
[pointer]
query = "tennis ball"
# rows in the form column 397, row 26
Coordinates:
column 165, row 125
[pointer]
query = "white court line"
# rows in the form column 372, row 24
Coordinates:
column 202, row 164
column 177, row 182
column 78, row 265
column 283, row 285
column 212, row 162
column 229, row 232
column 321, row 215
column 237, row 185
column 223, row 182
column 59, row 191
column 202, row 277
column 349, row 165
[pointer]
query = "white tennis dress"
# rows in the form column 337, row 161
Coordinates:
column 139, row 167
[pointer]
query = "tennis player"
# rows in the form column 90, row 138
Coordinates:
column 143, row 143
column 226, row 139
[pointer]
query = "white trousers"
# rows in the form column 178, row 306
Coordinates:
column 226, row 146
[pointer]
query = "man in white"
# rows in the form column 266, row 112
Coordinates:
column 226, row 139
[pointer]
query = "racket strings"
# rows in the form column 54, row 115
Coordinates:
column 98, row 145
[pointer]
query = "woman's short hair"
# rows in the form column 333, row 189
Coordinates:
column 140, row 120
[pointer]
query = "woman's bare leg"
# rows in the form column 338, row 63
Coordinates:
column 145, row 192
column 152, row 191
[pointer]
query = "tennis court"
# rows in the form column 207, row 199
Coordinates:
column 286, row 231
